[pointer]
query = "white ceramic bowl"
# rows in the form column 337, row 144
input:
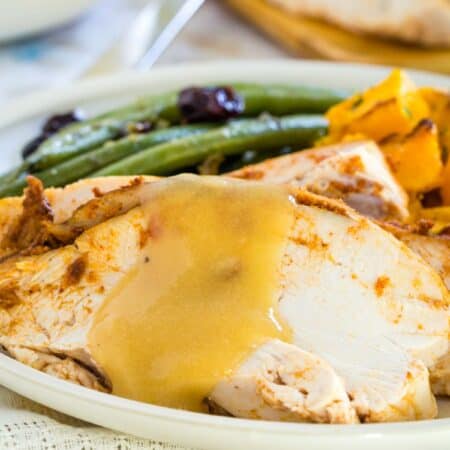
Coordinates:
column 19, row 121
column 20, row 18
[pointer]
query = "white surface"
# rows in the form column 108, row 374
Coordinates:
column 24, row 17
column 19, row 122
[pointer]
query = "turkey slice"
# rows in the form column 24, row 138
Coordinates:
column 319, row 168
column 363, row 309
column 355, row 172
column 282, row 382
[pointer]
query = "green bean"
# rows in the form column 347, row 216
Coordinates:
column 232, row 139
column 281, row 99
column 83, row 136
column 58, row 149
column 82, row 165
column 251, row 157
column 14, row 174
column 90, row 134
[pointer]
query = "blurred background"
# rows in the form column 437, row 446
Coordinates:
column 49, row 43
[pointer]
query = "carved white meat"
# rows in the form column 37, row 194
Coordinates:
column 368, row 315
column 282, row 382
column 355, row 172
column 316, row 169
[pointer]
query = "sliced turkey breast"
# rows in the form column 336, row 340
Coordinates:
column 434, row 249
column 367, row 315
column 355, row 172
column 306, row 169
column 282, row 382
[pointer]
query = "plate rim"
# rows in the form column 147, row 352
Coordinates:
column 20, row 370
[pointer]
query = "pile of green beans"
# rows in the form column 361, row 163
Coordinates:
column 95, row 147
column 84, row 164
column 234, row 138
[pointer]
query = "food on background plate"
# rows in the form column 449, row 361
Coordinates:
column 311, row 286
column 186, row 252
column 423, row 22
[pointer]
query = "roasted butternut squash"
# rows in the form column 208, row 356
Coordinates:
column 439, row 214
column 411, row 125
column 394, row 106
column 415, row 158
column 439, row 104
column 445, row 186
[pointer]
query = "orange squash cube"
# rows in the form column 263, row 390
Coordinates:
column 394, row 106
column 415, row 159
column 439, row 104
column 445, row 187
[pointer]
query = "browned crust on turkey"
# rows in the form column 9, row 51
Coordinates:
column 33, row 230
column 8, row 293
column 421, row 227
column 75, row 271
column 306, row 198
column 28, row 231
column 98, row 210
column 260, row 170
column 61, row 366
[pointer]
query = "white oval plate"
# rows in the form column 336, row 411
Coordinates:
column 19, row 122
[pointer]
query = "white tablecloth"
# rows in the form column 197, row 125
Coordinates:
column 25, row 425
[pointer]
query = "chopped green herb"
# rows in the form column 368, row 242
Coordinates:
column 407, row 112
column 357, row 102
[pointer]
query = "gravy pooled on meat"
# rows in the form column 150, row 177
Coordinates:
column 202, row 297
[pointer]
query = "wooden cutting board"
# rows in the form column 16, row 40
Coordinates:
column 314, row 38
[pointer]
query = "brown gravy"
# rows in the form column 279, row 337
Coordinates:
column 203, row 294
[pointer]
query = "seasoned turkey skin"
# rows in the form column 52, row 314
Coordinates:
column 425, row 22
column 366, row 332
column 354, row 172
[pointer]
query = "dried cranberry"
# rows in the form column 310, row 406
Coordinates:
column 209, row 104
column 51, row 126
column 32, row 146
column 58, row 121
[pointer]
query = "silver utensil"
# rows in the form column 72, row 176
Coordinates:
column 149, row 34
